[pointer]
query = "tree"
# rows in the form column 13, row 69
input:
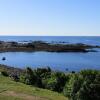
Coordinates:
column 56, row 82
column 87, row 87
column 90, row 90
column 69, row 85
column 28, row 77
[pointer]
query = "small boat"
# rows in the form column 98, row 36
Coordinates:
column 4, row 58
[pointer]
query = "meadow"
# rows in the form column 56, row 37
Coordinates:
column 11, row 90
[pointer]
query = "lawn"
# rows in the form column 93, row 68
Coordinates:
column 10, row 90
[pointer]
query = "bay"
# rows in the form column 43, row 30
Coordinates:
column 57, row 61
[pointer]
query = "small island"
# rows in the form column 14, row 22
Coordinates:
column 44, row 46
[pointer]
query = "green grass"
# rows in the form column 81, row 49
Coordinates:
column 6, row 84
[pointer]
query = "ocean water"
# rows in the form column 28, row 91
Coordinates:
column 57, row 61
column 93, row 40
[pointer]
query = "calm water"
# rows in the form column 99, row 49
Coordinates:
column 57, row 61
column 94, row 40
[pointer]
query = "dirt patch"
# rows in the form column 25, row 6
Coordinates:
column 22, row 95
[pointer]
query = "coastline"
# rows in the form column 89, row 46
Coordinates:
column 43, row 46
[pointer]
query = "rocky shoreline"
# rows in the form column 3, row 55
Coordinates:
column 43, row 46
column 11, row 70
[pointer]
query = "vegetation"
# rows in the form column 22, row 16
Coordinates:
column 83, row 85
column 11, row 90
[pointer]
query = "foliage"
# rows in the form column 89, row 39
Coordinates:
column 14, row 77
column 90, row 89
column 56, row 82
column 28, row 77
column 43, row 72
column 68, row 86
column 4, row 73
column 84, row 86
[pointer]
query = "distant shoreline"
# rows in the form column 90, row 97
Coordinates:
column 43, row 46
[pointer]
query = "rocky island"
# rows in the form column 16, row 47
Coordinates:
column 44, row 46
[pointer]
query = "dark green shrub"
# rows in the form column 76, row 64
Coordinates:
column 4, row 73
column 83, row 86
column 87, row 86
column 56, row 82
column 90, row 89
column 22, row 78
column 30, row 78
column 14, row 77
column 69, row 86
column 43, row 72
column 51, row 84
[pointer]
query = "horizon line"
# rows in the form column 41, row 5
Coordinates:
column 53, row 35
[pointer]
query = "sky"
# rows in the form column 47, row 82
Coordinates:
column 50, row 17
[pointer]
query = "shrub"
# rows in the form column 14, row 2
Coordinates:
column 83, row 86
column 56, row 82
column 14, row 77
column 90, row 89
column 4, row 73
column 43, row 72
column 68, row 86
column 87, row 86
column 30, row 78
column 22, row 78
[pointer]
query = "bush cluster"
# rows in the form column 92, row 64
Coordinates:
column 44, row 78
column 83, row 85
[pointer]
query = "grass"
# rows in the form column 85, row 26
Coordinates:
column 10, row 90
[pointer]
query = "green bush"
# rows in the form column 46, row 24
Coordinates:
column 4, row 73
column 56, row 82
column 90, row 90
column 68, row 86
column 28, row 77
column 84, row 86
column 22, row 78
column 14, row 77
column 43, row 72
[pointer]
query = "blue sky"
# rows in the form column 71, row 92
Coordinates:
column 49, row 17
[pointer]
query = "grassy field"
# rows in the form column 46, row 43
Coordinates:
column 10, row 90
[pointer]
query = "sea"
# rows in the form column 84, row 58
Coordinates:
column 63, row 61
